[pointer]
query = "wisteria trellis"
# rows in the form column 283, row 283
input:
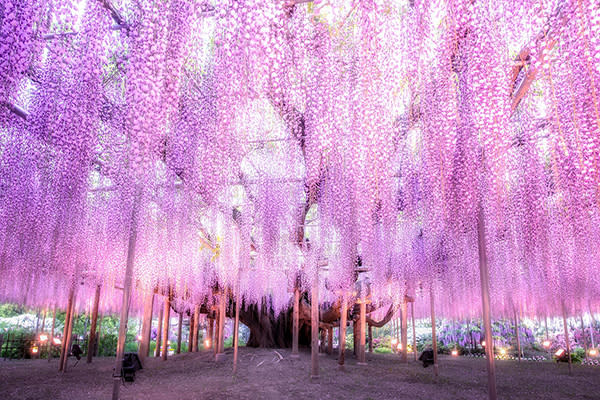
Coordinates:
column 269, row 138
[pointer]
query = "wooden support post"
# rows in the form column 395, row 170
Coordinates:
column 485, row 299
column 370, row 338
column 404, row 335
column 567, row 342
column 196, row 326
column 414, row 334
column 362, row 360
column 330, row 340
column 117, row 373
column 342, row 340
column 51, row 341
column 546, row 325
column 92, row 335
column 295, row 323
column 211, row 332
column 314, row 328
column 166, row 323
column 355, row 337
column 221, row 349
column 179, row 331
column 191, row 334
column 159, row 333
column 433, row 335
column 64, row 349
column 236, row 333
column 517, row 334
column 146, row 326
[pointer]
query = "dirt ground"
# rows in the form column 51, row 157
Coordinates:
column 263, row 375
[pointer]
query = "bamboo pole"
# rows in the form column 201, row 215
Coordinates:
column 412, row 315
column 404, row 357
column 146, row 326
column 117, row 373
column 159, row 333
column 362, row 360
column 517, row 334
column 166, row 323
column 295, row 323
column 485, row 299
column 433, row 335
column 314, row 328
column 64, row 349
column 236, row 328
column 342, row 340
column 92, row 335
column 179, row 332
column 196, row 326
column 567, row 343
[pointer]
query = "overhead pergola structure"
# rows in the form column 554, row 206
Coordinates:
column 249, row 153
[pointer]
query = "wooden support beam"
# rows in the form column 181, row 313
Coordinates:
column 117, row 373
column 370, row 338
column 567, row 342
column 64, row 350
column 92, row 334
column 404, row 334
column 51, row 341
column 166, row 326
column 191, row 334
column 433, row 333
column 146, row 326
column 362, row 322
column 196, row 326
column 517, row 334
column 330, row 340
column 236, row 333
column 179, row 332
column 159, row 332
column 314, row 328
column 485, row 299
column 414, row 334
column 342, row 331
column 295, row 323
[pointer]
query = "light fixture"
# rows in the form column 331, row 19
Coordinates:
column 483, row 343
column 399, row 347
column 559, row 352
column 546, row 343
column 57, row 341
column 139, row 338
column 394, row 342
column 43, row 338
column 455, row 353
column 34, row 349
column 502, row 352
column 593, row 352
column 207, row 343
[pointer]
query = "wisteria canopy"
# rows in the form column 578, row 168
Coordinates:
column 252, row 145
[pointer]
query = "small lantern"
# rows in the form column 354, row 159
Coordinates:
column 57, row 341
column 502, row 352
column 35, row 350
column 43, row 338
column 546, row 343
column 483, row 343
column 207, row 343
column 455, row 353
column 139, row 338
column 593, row 352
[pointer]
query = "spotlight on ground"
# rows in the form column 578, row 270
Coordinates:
column 546, row 343
column 455, row 353
column 43, row 338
